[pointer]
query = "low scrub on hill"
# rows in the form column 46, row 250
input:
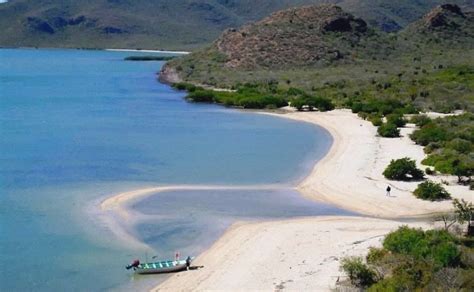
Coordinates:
column 257, row 96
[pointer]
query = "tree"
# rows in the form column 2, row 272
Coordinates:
column 403, row 169
column 431, row 191
column 388, row 130
column 465, row 213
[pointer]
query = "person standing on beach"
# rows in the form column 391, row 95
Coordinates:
column 388, row 191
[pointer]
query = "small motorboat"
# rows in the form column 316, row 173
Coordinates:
column 161, row 266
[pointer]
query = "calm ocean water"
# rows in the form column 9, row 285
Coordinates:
column 76, row 126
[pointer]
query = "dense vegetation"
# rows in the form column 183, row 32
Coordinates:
column 403, row 169
column 257, row 96
column 167, row 24
column 413, row 259
column 449, row 143
column 431, row 191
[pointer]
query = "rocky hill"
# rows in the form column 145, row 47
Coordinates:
column 311, row 35
column 327, row 36
column 171, row 24
column 446, row 20
column 326, row 50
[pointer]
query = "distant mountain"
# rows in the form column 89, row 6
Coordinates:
column 171, row 24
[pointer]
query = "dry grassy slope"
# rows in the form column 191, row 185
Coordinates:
column 328, row 52
column 180, row 24
column 320, row 36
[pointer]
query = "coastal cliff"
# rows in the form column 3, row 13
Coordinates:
column 168, row 75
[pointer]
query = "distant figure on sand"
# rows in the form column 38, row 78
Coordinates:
column 388, row 191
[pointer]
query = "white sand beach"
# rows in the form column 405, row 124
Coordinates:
column 295, row 255
column 149, row 51
column 303, row 254
column 350, row 175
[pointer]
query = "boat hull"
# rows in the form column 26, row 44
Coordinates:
column 159, row 268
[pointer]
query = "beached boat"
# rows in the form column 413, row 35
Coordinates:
column 160, row 267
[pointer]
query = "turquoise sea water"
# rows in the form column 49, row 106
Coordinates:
column 76, row 126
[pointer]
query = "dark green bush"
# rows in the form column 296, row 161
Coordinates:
column 312, row 102
column 185, row 86
column 403, row 169
column 396, row 119
column 358, row 272
column 262, row 102
column 431, row 191
column 420, row 120
column 202, row 96
column 429, row 133
column 388, row 130
column 375, row 119
column 429, row 171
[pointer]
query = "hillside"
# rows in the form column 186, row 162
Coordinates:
column 169, row 24
column 326, row 51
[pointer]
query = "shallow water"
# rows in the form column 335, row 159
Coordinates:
column 77, row 126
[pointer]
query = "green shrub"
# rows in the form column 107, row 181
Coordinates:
column 262, row 102
column 388, row 130
column 420, row 120
column 375, row 119
column 312, row 102
column 429, row 133
column 298, row 103
column 431, row 191
column 295, row 92
column 185, row 86
column 396, row 119
column 376, row 255
column 358, row 272
column 403, row 169
column 460, row 145
column 202, row 96
column 429, row 171
column 321, row 103
column 437, row 246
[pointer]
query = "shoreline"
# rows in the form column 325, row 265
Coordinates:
column 349, row 176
